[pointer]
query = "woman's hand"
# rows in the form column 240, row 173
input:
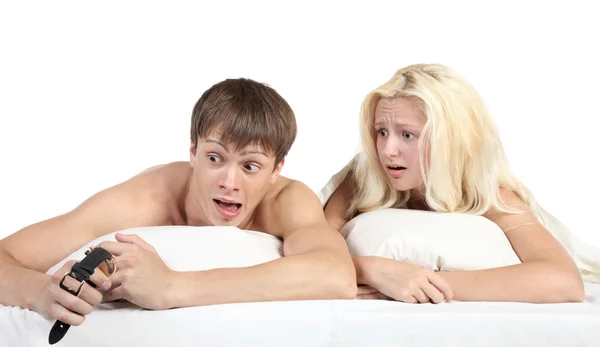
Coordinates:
column 369, row 293
column 400, row 281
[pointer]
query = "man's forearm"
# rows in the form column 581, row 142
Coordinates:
column 18, row 286
column 538, row 282
column 299, row 277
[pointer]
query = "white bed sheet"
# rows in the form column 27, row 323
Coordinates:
column 323, row 323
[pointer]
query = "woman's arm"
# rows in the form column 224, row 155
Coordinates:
column 546, row 273
column 336, row 206
column 382, row 278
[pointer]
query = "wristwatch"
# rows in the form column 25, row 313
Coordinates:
column 81, row 272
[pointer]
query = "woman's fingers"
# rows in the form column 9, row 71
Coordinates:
column 373, row 296
column 434, row 295
column 366, row 290
column 420, row 296
column 442, row 285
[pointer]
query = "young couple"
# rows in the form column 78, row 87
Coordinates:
column 429, row 143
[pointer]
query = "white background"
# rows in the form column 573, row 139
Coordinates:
column 93, row 93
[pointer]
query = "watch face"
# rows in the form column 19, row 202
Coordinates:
column 89, row 250
column 109, row 266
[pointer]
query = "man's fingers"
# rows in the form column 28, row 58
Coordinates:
column 116, row 248
column 104, row 267
column 66, row 316
column 120, row 276
column 134, row 239
column 66, row 268
column 100, row 279
column 74, row 303
column 87, row 294
column 441, row 285
column 125, row 243
column 366, row 290
column 115, row 294
column 90, row 295
column 127, row 238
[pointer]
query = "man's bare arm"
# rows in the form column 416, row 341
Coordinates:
column 316, row 265
column 26, row 255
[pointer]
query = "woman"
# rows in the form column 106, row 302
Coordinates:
column 429, row 143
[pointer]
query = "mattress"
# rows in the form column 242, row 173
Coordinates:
column 322, row 323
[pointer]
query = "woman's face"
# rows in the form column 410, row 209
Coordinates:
column 398, row 124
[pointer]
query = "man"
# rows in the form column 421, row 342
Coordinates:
column 241, row 132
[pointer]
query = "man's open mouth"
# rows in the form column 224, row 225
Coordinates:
column 230, row 206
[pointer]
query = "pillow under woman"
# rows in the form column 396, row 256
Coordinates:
column 429, row 143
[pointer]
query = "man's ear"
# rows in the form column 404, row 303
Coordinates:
column 277, row 171
column 192, row 154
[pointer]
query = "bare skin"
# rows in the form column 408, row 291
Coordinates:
column 316, row 262
column 547, row 272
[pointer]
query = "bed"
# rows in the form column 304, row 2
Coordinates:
column 464, row 242
column 323, row 323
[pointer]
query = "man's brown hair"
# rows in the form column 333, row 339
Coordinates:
column 244, row 112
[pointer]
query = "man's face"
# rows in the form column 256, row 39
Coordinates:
column 228, row 185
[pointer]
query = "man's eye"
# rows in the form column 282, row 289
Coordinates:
column 252, row 167
column 214, row 158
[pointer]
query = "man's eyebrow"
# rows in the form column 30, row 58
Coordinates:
column 244, row 152
column 218, row 143
column 254, row 151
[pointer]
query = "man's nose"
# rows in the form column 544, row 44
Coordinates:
column 231, row 179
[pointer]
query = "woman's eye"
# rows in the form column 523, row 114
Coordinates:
column 409, row 135
column 252, row 167
column 214, row 158
column 382, row 132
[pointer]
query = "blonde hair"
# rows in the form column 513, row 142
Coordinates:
column 464, row 164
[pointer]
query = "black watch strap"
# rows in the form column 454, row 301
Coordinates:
column 81, row 272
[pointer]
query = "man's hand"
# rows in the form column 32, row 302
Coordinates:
column 142, row 278
column 55, row 303
column 401, row 281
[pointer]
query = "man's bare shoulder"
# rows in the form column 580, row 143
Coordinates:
column 164, row 175
column 168, row 168
column 284, row 189
column 286, row 198
column 163, row 187
column 146, row 199
column 295, row 189
column 151, row 197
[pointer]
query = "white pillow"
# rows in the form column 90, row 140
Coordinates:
column 438, row 241
column 185, row 248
